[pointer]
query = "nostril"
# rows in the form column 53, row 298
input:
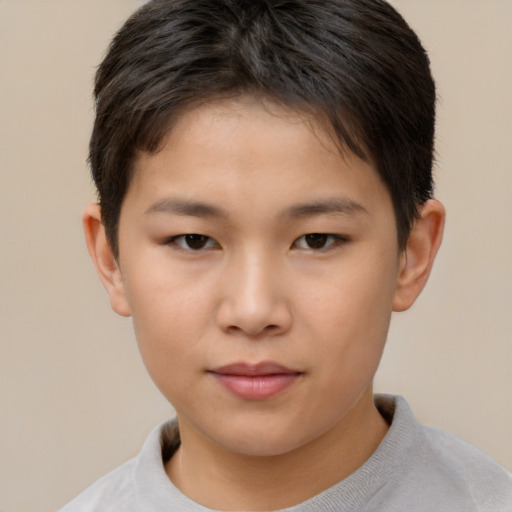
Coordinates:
column 255, row 315
column 255, row 332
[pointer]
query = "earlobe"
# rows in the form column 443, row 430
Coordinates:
column 418, row 257
column 104, row 259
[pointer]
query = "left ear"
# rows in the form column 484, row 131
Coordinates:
column 418, row 257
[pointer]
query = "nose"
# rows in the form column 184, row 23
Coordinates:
column 254, row 299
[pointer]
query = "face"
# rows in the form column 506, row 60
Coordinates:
column 260, row 267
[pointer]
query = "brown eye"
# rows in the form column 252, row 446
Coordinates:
column 318, row 241
column 194, row 242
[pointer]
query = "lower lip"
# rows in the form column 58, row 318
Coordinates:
column 258, row 387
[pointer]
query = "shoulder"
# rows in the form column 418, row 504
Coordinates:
column 137, row 484
column 438, row 467
column 487, row 483
column 113, row 492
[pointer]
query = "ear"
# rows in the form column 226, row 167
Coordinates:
column 104, row 260
column 418, row 257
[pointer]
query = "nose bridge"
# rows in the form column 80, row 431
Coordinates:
column 254, row 300
column 255, row 281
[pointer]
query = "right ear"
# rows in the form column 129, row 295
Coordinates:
column 104, row 260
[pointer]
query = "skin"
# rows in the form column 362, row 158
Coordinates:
column 254, row 179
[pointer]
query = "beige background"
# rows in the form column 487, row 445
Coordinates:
column 75, row 400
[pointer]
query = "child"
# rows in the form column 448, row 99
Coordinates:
column 265, row 203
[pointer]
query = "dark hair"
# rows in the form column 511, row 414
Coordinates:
column 355, row 64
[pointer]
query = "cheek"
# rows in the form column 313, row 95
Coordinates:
column 169, row 314
column 163, row 296
column 357, row 297
column 349, row 317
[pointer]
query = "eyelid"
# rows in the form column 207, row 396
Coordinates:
column 179, row 241
column 335, row 240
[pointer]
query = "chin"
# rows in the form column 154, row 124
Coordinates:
column 266, row 440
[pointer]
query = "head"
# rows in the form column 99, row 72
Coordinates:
column 354, row 65
column 264, row 174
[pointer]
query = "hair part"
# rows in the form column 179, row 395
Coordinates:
column 354, row 64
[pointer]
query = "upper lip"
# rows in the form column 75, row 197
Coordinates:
column 254, row 370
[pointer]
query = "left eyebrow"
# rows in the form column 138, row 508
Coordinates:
column 341, row 205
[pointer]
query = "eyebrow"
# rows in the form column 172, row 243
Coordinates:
column 186, row 208
column 340, row 205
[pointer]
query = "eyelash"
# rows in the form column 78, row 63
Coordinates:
column 315, row 238
column 183, row 241
column 324, row 240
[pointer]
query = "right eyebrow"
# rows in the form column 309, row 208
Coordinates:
column 174, row 206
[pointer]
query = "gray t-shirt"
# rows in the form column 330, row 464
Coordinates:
column 415, row 469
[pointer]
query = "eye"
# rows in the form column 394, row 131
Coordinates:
column 318, row 241
column 194, row 242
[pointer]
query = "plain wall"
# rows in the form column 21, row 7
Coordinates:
column 75, row 400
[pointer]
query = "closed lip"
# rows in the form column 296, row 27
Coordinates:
column 255, row 370
column 260, row 381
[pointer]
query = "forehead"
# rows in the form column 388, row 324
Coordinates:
column 248, row 120
column 250, row 149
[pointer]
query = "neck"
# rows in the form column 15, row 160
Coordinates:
column 223, row 480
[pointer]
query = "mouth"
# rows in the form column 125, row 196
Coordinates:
column 255, row 382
